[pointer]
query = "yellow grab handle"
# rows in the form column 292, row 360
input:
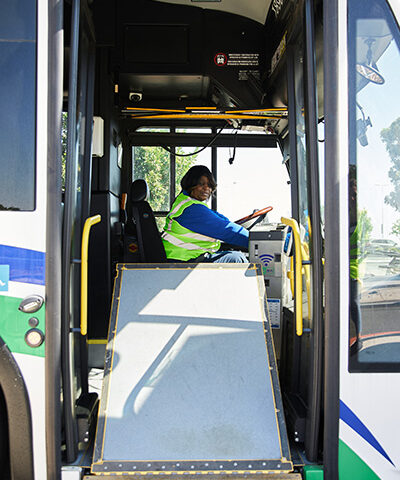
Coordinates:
column 291, row 222
column 290, row 275
column 84, row 269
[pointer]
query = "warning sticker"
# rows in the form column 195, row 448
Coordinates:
column 274, row 312
column 220, row 59
column 244, row 74
column 237, row 59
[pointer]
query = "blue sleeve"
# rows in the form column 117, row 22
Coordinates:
column 201, row 219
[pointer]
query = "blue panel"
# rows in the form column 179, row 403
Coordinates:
column 27, row 266
column 18, row 20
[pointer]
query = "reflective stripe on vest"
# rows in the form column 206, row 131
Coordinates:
column 357, row 254
column 180, row 243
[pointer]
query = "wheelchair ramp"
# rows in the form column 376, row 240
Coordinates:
column 190, row 382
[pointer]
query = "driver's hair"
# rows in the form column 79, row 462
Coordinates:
column 192, row 178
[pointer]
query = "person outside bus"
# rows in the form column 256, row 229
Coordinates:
column 193, row 232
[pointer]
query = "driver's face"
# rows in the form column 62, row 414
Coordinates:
column 202, row 191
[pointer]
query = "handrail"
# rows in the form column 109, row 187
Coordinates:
column 291, row 222
column 290, row 275
column 84, row 269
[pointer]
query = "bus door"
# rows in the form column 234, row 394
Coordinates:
column 301, row 368
column 76, row 210
column 369, row 242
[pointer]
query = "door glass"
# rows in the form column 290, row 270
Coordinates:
column 304, row 217
column 321, row 165
column 76, row 187
column 374, row 187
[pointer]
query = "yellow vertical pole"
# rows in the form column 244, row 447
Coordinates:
column 84, row 269
column 291, row 222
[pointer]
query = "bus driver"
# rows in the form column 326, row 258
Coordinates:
column 193, row 232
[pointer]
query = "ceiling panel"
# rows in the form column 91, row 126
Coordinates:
column 254, row 9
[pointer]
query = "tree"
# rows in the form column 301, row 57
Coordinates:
column 396, row 228
column 365, row 221
column 391, row 138
column 152, row 164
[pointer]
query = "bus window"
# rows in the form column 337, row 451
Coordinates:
column 182, row 164
column 201, row 156
column 255, row 179
column 158, row 166
column 374, row 185
column 153, row 165
column 17, row 105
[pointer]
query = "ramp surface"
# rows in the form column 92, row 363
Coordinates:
column 190, row 383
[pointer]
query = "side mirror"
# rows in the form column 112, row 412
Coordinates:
column 370, row 73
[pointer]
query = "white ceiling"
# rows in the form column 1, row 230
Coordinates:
column 254, row 9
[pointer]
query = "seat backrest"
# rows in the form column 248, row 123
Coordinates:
column 151, row 247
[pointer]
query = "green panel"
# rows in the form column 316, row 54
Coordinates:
column 351, row 467
column 313, row 472
column 14, row 325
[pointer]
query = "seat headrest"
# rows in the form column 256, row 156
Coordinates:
column 139, row 190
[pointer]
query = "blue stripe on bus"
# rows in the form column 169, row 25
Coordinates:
column 351, row 419
column 26, row 266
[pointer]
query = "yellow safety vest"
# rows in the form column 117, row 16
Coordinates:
column 183, row 244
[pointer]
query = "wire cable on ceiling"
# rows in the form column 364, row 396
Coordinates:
column 198, row 151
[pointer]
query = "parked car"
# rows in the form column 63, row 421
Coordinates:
column 382, row 245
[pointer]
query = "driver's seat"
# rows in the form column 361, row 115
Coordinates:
column 150, row 245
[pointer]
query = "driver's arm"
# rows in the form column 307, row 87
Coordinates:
column 201, row 219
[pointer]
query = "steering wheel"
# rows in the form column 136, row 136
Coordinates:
column 259, row 215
